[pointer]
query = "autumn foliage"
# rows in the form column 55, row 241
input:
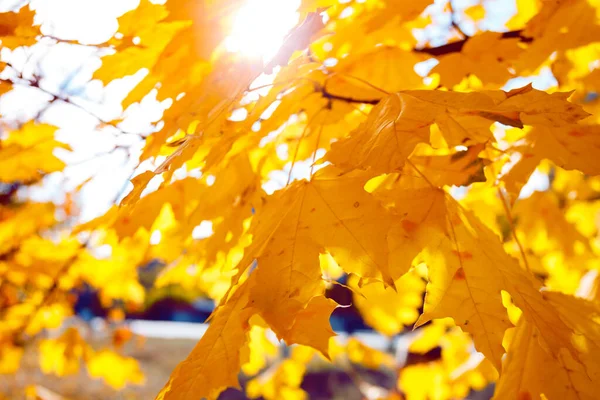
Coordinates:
column 445, row 173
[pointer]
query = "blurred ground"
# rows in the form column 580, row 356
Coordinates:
column 158, row 357
column 165, row 344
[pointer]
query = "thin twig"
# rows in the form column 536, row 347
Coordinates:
column 347, row 99
column 509, row 217
column 454, row 22
column 456, row 47
column 35, row 83
column 308, row 123
column 72, row 42
column 363, row 81
column 513, row 230
column 420, row 173
column 314, row 158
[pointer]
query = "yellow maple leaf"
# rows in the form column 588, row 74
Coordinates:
column 143, row 36
column 5, row 86
column 17, row 28
column 564, row 375
column 408, row 190
column 402, row 120
column 123, row 261
column 288, row 298
column 63, row 355
column 19, row 222
column 350, row 75
column 314, row 217
column 10, row 358
column 260, row 348
column 455, row 375
column 27, row 153
column 456, row 246
column 476, row 58
column 361, row 354
column 543, row 226
column 282, row 382
column 569, row 148
column 388, row 310
column 197, row 376
column 116, row 370
column 558, row 26
column 457, row 169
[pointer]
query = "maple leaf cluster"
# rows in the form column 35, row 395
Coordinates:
column 421, row 174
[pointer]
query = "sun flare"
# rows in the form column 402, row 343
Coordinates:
column 260, row 26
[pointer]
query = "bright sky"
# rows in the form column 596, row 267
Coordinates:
column 259, row 29
column 260, row 26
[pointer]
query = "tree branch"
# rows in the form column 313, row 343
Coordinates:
column 347, row 99
column 454, row 22
column 54, row 97
column 457, row 46
column 454, row 47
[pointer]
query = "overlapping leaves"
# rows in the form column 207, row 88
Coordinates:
column 380, row 204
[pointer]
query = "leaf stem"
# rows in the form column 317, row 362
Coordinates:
column 512, row 228
column 420, row 173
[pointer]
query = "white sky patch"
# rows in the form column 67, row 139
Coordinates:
column 102, row 252
column 542, row 81
column 301, row 170
column 155, row 238
column 239, row 114
column 88, row 21
column 538, row 182
column 459, row 192
column 260, row 27
column 202, row 231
